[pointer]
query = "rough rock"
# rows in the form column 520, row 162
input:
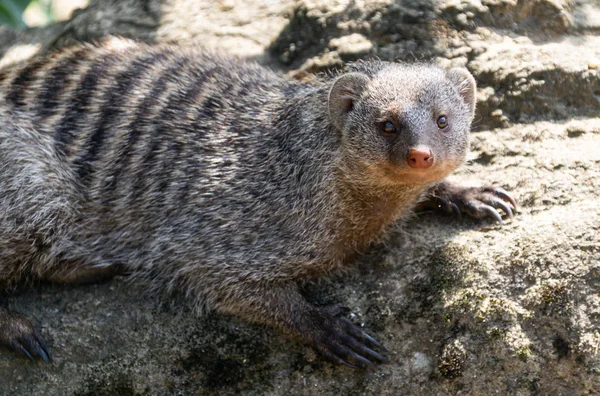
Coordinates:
column 465, row 307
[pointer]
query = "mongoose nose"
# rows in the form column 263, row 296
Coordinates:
column 420, row 158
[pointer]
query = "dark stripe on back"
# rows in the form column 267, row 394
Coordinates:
column 141, row 117
column 205, row 117
column 49, row 99
column 174, row 151
column 20, row 84
column 112, row 106
column 169, row 119
column 67, row 127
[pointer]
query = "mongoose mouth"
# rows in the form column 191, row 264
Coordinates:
column 395, row 174
column 420, row 176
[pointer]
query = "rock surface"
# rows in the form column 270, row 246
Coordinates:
column 465, row 307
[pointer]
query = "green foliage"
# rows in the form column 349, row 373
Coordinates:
column 11, row 12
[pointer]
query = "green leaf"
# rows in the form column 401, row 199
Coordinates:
column 18, row 4
column 11, row 12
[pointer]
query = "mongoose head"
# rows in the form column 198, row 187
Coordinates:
column 403, row 124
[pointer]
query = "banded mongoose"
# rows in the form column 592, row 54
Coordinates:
column 217, row 178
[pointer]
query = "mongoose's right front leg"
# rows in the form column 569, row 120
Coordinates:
column 17, row 333
column 284, row 308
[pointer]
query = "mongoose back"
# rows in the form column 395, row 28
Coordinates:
column 215, row 177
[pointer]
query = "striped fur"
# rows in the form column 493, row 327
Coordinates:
column 207, row 175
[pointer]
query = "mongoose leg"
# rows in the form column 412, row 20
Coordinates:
column 39, row 208
column 337, row 339
column 478, row 202
column 19, row 334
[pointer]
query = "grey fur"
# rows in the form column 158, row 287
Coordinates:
column 237, row 185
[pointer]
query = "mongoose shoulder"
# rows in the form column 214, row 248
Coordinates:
column 218, row 178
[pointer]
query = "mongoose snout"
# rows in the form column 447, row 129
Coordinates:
column 420, row 158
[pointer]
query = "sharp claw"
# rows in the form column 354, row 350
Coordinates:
column 364, row 362
column 502, row 193
column 376, row 355
column 357, row 333
column 40, row 351
column 23, row 350
column 334, row 358
column 342, row 352
column 34, row 345
column 45, row 349
column 363, row 349
column 456, row 209
column 505, row 207
column 49, row 354
column 345, row 363
column 493, row 212
column 343, row 343
column 373, row 341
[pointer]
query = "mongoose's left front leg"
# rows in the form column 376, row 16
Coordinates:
column 478, row 202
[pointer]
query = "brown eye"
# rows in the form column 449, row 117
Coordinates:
column 388, row 128
column 442, row 122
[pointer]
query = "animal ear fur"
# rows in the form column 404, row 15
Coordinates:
column 466, row 85
column 344, row 92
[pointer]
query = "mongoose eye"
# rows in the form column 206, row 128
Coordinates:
column 388, row 128
column 442, row 122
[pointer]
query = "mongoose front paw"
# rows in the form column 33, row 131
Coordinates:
column 17, row 333
column 478, row 202
column 342, row 342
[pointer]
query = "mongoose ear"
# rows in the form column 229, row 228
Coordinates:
column 344, row 92
column 466, row 85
